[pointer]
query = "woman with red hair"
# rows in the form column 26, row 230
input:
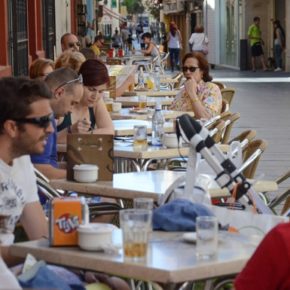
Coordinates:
column 90, row 114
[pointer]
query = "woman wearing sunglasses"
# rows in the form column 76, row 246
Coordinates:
column 90, row 114
column 198, row 94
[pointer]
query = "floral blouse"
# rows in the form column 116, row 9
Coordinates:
column 208, row 93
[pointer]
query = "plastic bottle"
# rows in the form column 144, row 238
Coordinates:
column 141, row 79
column 157, row 126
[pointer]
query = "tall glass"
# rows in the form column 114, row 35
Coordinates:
column 136, row 226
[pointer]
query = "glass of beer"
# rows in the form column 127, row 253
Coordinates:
column 140, row 136
column 136, row 225
column 142, row 102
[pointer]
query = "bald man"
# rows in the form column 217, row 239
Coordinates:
column 69, row 41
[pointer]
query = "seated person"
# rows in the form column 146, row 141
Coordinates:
column 67, row 89
column 97, row 45
column 151, row 48
column 71, row 59
column 269, row 267
column 90, row 114
column 40, row 68
column 198, row 95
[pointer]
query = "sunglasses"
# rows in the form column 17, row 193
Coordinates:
column 41, row 122
column 79, row 80
column 72, row 44
column 190, row 68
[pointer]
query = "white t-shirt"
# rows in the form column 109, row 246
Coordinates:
column 17, row 188
column 174, row 41
column 196, row 40
column 7, row 279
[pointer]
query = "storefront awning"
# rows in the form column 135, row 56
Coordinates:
column 113, row 14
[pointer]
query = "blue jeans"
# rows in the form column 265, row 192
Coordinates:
column 278, row 55
column 174, row 57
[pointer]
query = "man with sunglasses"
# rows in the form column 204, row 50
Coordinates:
column 98, row 44
column 67, row 90
column 25, row 124
column 69, row 41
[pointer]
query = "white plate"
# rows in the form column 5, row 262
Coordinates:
column 139, row 111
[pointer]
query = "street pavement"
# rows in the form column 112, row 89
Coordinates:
column 263, row 100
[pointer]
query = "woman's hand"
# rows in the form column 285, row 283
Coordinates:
column 191, row 87
column 82, row 126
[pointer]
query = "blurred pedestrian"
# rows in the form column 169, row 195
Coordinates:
column 279, row 44
column 198, row 40
column 174, row 42
column 256, row 42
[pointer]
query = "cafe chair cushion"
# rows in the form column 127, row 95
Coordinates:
column 178, row 215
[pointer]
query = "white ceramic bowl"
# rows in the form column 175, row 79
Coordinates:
column 95, row 236
column 170, row 140
column 86, row 172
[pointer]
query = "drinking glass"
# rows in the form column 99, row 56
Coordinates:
column 206, row 236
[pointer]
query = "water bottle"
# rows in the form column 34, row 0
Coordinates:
column 157, row 126
column 141, row 79
column 157, row 79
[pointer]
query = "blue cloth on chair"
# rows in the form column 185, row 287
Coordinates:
column 178, row 215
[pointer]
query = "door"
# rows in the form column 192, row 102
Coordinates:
column 18, row 37
column 48, row 7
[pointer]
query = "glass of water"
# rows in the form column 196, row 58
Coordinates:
column 206, row 237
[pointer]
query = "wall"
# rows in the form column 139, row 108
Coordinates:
column 62, row 21
column 287, row 29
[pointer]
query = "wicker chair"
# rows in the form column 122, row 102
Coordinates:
column 228, row 95
column 230, row 119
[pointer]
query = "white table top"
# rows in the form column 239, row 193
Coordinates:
column 132, row 113
column 133, row 101
column 170, row 260
column 154, row 184
column 152, row 93
column 126, row 127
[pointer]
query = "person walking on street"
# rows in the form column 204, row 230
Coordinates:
column 198, row 40
column 256, row 42
column 279, row 44
column 174, row 44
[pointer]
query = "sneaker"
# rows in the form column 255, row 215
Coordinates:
column 278, row 69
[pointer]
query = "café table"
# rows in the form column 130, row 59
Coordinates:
column 133, row 101
column 170, row 260
column 152, row 93
column 157, row 184
column 145, row 114
column 126, row 127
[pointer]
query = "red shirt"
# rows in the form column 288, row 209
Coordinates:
column 269, row 267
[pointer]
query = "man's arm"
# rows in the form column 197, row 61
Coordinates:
column 34, row 221
column 51, row 172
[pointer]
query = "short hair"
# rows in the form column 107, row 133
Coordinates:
column 256, row 18
column 17, row 94
column 61, row 76
column 198, row 29
column 64, row 37
column 71, row 59
column 147, row 35
column 37, row 67
column 202, row 64
column 94, row 72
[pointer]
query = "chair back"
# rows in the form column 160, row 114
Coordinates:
column 163, row 62
column 217, row 130
column 228, row 95
column 230, row 119
column 219, row 84
column 225, row 106
column 244, row 138
column 252, row 155
column 179, row 80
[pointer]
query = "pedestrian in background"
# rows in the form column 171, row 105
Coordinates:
column 256, row 42
column 279, row 44
column 174, row 41
column 198, row 40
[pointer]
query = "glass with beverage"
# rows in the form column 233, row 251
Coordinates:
column 142, row 102
column 140, row 136
column 136, row 226
column 206, row 237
